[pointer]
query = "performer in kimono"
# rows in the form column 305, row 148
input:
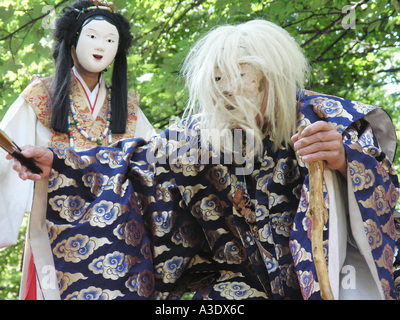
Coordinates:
column 76, row 108
column 223, row 196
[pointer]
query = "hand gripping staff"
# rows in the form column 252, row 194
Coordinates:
column 318, row 214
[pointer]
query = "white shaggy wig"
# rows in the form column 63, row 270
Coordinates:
column 270, row 49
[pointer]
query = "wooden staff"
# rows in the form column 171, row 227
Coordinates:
column 318, row 214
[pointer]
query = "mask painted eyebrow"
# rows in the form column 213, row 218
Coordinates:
column 91, row 30
column 107, row 35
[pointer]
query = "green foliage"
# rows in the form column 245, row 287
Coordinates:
column 360, row 63
column 164, row 31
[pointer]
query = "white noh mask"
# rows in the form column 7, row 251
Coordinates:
column 97, row 45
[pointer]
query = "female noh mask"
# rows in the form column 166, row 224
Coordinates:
column 91, row 36
column 96, row 48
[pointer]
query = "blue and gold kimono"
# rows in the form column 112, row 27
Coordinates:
column 155, row 220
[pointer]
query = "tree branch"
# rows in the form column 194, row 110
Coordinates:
column 29, row 23
column 331, row 46
column 320, row 33
column 393, row 70
column 166, row 30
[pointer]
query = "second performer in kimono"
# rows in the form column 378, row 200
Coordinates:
column 226, row 214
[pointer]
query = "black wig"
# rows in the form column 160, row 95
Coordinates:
column 66, row 34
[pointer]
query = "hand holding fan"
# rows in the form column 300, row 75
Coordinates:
column 11, row 147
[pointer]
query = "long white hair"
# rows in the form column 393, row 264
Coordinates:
column 269, row 48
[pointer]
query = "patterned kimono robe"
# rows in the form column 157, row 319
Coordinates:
column 38, row 95
column 153, row 221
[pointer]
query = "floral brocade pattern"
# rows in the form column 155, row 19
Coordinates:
column 38, row 96
column 172, row 224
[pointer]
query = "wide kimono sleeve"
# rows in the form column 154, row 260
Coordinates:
column 22, row 125
column 129, row 196
column 175, row 236
column 373, row 191
column 367, row 200
column 154, row 213
column 100, row 248
column 199, row 245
